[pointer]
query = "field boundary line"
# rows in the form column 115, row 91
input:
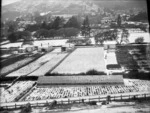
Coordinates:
column 22, row 66
column 97, row 98
column 60, row 61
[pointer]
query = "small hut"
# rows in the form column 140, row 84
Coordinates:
column 28, row 46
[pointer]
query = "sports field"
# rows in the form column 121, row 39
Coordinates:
column 82, row 60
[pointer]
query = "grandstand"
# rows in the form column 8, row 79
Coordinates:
column 79, row 80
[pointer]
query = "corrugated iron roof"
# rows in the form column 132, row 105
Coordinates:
column 80, row 80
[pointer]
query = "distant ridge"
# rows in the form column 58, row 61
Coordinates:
column 65, row 6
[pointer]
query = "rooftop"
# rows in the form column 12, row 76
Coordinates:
column 80, row 80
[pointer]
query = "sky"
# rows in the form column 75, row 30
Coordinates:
column 5, row 2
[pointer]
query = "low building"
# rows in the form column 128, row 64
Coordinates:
column 67, row 47
column 109, row 45
column 114, row 68
column 45, row 48
column 49, row 81
column 28, row 46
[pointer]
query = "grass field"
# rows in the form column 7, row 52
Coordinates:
column 33, row 66
column 48, row 66
column 82, row 60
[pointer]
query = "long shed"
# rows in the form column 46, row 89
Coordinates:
column 79, row 80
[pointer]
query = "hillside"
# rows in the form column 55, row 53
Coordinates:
column 66, row 6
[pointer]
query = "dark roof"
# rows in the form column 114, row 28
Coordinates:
column 80, row 80
column 113, row 66
column 27, row 43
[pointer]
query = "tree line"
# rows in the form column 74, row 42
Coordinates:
column 59, row 27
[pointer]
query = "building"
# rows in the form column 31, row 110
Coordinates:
column 67, row 47
column 27, row 46
column 109, row 45
column 50, row 81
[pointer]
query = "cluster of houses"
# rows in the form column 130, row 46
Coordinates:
column 30, row 47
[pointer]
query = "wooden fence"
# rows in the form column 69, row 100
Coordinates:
column 42, row 103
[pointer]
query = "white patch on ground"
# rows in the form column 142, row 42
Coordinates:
column 83, row 60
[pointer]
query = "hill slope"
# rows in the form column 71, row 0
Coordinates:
column 66, row 6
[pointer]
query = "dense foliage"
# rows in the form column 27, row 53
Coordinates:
column 58, row 27
column 141, row 16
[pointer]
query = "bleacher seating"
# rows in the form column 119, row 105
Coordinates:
column 79, row 91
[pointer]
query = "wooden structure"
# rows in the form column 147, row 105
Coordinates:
column 79, row 80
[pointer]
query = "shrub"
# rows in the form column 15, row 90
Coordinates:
column 94, row 72
column 26, row 109
column 139, row 40
column 92, row 103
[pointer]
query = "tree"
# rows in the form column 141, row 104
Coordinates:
column 119, row 21
column 60, row 32
column 99, row 38
column 139, row 40
column 57, row 23
column 44, row 25
column 26, row 109
column 42, row 33
column 124, row 36
column 12, row 26
column 72, row 22
column 32, row 28
column 49, row 25
column 52, row 33
column 106, row 35
column 141, row 16
column 12, row 37
column 69, row 32
column 26, row 35
column 85, row 27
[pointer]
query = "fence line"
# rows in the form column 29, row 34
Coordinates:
column 99, row 98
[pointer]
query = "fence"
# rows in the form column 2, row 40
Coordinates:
column 41, row 103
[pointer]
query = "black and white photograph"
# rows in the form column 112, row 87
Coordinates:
column 75, row 56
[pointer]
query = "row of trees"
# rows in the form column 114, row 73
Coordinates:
column 57, row 23
column 15, row 36
column 106, row 35
column 56, row 28
column 62, row 32
column 43, row 33
column 141, row 16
